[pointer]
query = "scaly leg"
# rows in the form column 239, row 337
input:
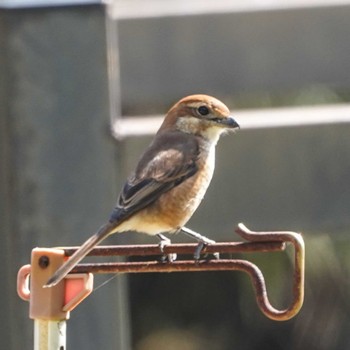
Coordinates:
column 203, row 241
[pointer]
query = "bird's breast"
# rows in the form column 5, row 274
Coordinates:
column 174, row 208
column 178, row 204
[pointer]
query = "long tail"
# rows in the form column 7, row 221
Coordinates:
column 86, row 247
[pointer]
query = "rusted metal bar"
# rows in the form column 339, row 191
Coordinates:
column 257, row 242
column 157, row 266
column 153, row 249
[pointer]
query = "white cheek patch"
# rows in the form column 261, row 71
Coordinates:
column 189, row 125
column 192, row 125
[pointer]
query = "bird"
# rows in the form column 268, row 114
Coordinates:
column 170, row 179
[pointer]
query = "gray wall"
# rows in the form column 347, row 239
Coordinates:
column 232, row 55
column 57, row 158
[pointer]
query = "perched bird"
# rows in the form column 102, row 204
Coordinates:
column 170, row 179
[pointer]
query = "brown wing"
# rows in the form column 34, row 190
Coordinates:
column 167, row 162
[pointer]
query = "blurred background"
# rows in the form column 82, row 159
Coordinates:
column 75, row 79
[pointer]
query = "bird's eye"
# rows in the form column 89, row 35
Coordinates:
column 203, row 110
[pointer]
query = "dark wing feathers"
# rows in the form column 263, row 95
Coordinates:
column 167, row 162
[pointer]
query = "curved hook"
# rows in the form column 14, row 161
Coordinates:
column 258, row 278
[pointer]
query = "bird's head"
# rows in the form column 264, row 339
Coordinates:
column 200, row 115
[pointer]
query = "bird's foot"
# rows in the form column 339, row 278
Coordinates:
column 203, row 242
column 201, row 246
column 164, row 241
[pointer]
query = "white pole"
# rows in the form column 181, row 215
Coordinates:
column 49, row 335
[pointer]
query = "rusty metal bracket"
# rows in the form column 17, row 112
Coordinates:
column 256, row 242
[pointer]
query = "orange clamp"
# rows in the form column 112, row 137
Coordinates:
column 51, row 303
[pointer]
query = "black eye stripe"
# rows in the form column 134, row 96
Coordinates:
column 203, row 110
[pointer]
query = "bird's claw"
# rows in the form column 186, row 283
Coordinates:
column 197, row 252
column 203, row 242
column 164, row 241
column 201, row 246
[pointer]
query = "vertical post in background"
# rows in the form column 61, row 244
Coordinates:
column 115, row 113
column 113, row 64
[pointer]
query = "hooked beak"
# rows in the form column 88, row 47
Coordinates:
column 230, row 122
